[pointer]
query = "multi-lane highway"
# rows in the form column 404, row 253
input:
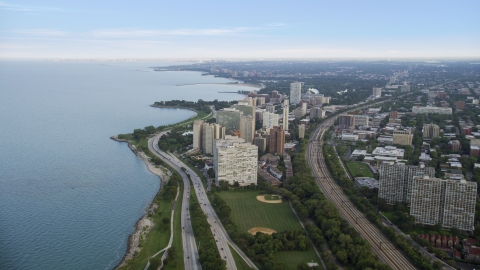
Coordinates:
column 190, row 250
column 221, row 237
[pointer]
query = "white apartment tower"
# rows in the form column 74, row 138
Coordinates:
column 235, row 161
column 301, row 131
column 415, row 171
column 286, row 108
column 377, row 92
column 270, row 120
column 396, row 181
column 449, row 202
column 391, row 182
column 295, row 92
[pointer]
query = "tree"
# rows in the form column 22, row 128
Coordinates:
column 166, row 220
column 360, row 158
column 211, row 173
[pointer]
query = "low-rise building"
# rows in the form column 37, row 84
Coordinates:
column 368, row 182
column 431, row 109
column 389, row 151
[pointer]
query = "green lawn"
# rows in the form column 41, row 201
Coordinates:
column 248, row 212
column 271, row 197
column 293, row 258
column 158, row 236
column 177, row 262
column 358, row 169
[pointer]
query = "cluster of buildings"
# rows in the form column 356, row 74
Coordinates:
column 450, row 202
column 235, row 143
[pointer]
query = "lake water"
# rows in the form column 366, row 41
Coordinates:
column 70, row 196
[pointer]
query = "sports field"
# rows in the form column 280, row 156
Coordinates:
column 248, row 212
column 358, row 169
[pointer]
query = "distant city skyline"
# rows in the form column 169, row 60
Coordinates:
column 266, row 30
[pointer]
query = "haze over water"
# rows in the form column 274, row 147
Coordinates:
column 70, row 196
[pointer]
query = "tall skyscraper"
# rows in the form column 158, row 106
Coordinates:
column 270, row 119
column 286, row 109
column 277, row 140
column 247, row 128
column 449, row 202
column 210, row 133
column 301, row 131
column 392, row 182
column 295, row 93
column 197, row 134
column 396, row 181
column 235, row 161
column 230, row 118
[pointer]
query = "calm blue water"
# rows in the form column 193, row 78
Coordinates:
column 70, row 196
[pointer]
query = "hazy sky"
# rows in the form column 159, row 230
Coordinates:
column 240, row 29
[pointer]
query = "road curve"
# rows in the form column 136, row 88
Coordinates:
column 221, row 237
column 190, row 251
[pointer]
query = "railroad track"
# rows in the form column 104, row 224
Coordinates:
column 380, row 244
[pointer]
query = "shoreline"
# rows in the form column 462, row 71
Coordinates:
column 144, row 224
column 232, row 84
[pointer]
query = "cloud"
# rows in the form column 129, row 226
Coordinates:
column 42, row 32
column 125, row 33
column 275, row 24
column 6, row 6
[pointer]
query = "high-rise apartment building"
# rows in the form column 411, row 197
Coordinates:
column 414, row 171
column 346, row 121
column 295, row 92
column 210, row 133
column 286, row 110
column 270, row 108
column 277, row 140
column 361, row 120
column 261, row 143
column 392, row 182
column 377, row 92
column 235, row 161
column 204, row 134
column 247, row 128
column 449, row 202
column 197, row 134
column 431, row 131
column 316, row 112
column 396, row 181
column 301, row 131
column 402, row 137
column 230, row 119
column 270, row 120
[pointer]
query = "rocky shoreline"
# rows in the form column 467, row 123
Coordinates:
column 144, row 224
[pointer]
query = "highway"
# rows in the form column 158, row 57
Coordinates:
column 221, row 237
column 385, row 250
column 190, row 250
